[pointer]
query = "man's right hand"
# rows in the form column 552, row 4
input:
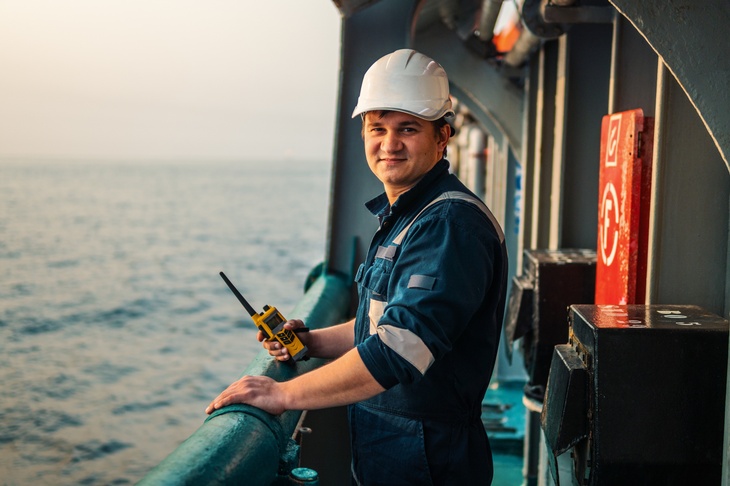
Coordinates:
column 275, row 348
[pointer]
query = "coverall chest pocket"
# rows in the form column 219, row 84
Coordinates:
column 374, row 288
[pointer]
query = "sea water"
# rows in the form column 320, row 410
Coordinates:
column 116, row 330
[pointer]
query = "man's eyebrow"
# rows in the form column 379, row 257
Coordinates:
column 407, row 123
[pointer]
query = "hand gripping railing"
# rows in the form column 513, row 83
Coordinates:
column 241, row 444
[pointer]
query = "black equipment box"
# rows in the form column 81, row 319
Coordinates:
column 639, row 395
column 538, row 308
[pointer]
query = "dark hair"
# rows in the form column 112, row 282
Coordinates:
column 438, row 125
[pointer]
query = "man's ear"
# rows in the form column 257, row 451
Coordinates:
column 445, row 132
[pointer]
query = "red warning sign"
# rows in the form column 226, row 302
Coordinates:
column 623, row 207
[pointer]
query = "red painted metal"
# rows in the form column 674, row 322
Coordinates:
column 623, row 207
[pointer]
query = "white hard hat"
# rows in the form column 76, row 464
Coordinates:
column 406, row 81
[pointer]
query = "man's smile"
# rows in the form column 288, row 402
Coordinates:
column 393, row 160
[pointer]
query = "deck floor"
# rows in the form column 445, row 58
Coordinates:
column 503, row 415
column 507, row 470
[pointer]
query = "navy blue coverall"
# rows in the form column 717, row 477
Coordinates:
column 432, row 295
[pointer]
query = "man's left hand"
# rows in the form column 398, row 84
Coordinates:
column 258, row 391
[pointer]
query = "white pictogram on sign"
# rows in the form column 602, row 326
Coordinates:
column 614, row 125
column 608, row 218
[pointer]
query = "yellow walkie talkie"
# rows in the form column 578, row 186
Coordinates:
column 271, row 323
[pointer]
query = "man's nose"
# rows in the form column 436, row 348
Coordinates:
column 391, row 142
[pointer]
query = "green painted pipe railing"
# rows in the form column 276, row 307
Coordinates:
column 241, row 444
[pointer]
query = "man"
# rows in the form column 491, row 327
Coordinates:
column 416, row 361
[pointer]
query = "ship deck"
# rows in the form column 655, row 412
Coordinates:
column 503, row 415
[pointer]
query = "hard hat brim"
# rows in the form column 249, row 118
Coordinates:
column 428, row 116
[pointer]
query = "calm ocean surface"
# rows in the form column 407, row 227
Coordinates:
column 115, row 328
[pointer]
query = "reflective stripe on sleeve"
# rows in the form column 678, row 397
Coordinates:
column 407, row 345
column 375, row 312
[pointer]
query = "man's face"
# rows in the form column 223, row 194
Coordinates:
column 401, row 148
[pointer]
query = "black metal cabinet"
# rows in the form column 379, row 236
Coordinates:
column 638, row 395
column 538, row 309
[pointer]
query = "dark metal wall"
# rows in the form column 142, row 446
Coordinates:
column 690, row 37
column 589, row 60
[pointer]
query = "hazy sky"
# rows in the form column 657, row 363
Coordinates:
column 141, row 79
